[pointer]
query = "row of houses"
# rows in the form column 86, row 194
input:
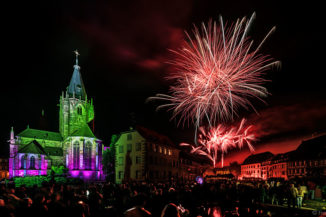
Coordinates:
column 308, row 160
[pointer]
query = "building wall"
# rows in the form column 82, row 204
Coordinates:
column 156, row 161
column 189, row 169
column 278, row 170
column 135, row 144
column 300, row 168
column 23, row 167
column 93, row 169
column 251, row 171
column 73, row 114
column 162, row 162
column 4, row 168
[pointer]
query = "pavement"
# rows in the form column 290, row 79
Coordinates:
column 319, row 205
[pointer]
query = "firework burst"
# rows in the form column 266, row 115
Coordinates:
column 217, row 73
column 217, row 141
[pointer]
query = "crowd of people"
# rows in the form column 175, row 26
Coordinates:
column 221, row 198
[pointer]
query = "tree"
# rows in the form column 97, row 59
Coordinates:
column 235, row 168
column 59, row 170
column 108, row 159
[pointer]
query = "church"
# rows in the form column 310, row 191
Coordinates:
column 33, row 151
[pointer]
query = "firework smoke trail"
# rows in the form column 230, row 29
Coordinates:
column 217, row 73
column 218, row 140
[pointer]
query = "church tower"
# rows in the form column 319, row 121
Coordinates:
column 75, row 109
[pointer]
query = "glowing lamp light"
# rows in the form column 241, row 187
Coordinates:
column 75, row 173
column 199, row 180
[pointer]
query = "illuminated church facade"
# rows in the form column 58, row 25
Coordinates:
column 33, row 151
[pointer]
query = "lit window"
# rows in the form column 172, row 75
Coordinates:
column 164, row 150
column 160, row 149
column 170, row 152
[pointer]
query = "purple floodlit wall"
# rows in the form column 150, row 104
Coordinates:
column 16, row 168
column 95, row 171
column 32, row 172
column 11, row 164
column 84, row 174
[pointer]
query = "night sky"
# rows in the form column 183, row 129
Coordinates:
column 124, row 49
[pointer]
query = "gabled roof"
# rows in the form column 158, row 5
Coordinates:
column 194, row 157
column 53, row 151
column 33, row 147
column 40, row 134
column 84, row 131
column 76, row 86
column 258, row 158
column 281, row 157
column 154, row 137
column 311, row 149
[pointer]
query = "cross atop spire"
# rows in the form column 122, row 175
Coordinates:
column 77, row 54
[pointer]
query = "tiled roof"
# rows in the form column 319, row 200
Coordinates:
column 53, row 151
column 76, row 86
column 33, row 147
column 84, row 131
column 258, row 158
column 40, row 134
column 154, row 137
column 311, row 149
column 282, row 157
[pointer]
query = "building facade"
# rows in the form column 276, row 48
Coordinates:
column 277, row 166
column 253, row 166
column 33, row 151
column 4, row 168
column 308, row 160
column 145, row 155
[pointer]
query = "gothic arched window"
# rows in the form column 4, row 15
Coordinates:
column 32, row 163
column 88, row 155
column 75, row 154
column 79, row 110
column 23, row 162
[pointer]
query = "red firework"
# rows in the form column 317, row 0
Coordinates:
column 217, row 73
column 218, row 140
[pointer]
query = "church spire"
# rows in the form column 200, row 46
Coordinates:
column 12, row 135
column 77, row 54
column 76, row 87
